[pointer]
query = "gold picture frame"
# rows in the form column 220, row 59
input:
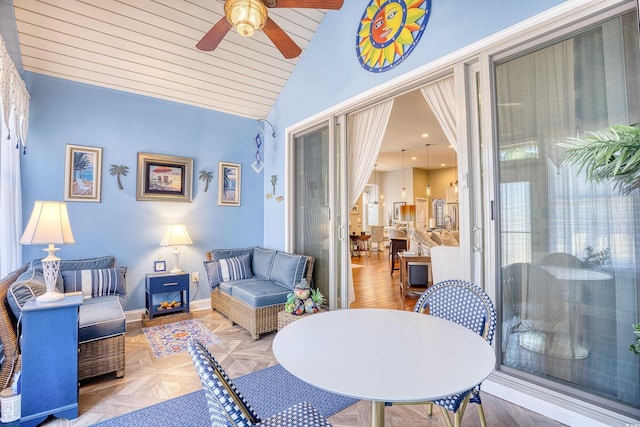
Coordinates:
column 82, row 173
column 164, row 178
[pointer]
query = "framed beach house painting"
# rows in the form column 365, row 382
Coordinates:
column 82, row 173
column 164, row 178
column 229, row 185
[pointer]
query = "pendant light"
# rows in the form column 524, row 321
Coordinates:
column 404, row 190
column 428, row 186
column 456, row 183
column 375, row 184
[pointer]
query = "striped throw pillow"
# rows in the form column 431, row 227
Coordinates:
column 226, row 269
column 96, row 282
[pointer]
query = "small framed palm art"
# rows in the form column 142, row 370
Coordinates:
column 229, row 183
column 82, row 173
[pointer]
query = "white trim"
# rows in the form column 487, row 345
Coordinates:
column 551, row 404
column 529, row 30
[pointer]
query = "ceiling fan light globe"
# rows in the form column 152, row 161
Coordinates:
column 247, row 16
column 245, row 29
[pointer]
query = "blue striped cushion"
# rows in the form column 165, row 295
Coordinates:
column 220, row 391
column 224, row 270
column 97, row 282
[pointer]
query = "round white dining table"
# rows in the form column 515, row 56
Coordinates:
column 384, row 355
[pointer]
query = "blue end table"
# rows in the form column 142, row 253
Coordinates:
column 50, row 359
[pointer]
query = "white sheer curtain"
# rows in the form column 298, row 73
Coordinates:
column 441, row 97
column 365, row 132
column 14, row 122
column 365, row 129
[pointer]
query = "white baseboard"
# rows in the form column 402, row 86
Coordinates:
column 197, row 305
column 551, row 404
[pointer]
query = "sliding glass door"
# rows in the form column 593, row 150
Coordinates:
column 568, row 247
column 316, row 173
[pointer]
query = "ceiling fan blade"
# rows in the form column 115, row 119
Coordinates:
column 281, row 40
column 214, row 36
column 313, row 4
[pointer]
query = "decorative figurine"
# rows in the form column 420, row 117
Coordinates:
column 117, row 171
column 303, row 299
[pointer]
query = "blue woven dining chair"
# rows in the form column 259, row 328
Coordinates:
column 468, row 305
column 229, row 408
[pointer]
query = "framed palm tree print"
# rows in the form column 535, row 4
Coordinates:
column 229, row 183
column 82, row 173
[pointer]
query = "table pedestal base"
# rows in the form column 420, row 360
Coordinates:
column 377, row 414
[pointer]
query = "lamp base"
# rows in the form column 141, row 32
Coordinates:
column 50, row 269
column 50, row 296
column 176, row 261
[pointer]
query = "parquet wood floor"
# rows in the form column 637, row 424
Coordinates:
column 149, row 380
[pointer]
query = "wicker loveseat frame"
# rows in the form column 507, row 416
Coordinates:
column 257, row 320
column 97, row 357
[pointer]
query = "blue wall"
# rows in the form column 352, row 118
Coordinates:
column 329, row 72
column 64, row 112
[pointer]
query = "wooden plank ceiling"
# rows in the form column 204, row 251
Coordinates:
column 148, row 47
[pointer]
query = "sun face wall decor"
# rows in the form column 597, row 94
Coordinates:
column 389, row 31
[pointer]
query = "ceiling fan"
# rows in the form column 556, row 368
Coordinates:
column 248, row 16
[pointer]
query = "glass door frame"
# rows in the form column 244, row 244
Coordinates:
column 338, row 222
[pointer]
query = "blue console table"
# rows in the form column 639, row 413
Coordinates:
column 50, row 360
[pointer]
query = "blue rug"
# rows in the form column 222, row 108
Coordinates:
column 269, row 391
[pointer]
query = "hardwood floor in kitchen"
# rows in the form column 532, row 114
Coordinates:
column 149, row 380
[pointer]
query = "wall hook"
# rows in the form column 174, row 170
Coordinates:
column 273, row 131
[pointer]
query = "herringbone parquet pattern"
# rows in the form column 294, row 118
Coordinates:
column 149, row 380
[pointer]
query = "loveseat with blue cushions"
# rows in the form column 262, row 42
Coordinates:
column 101, row 320
column 250, row 285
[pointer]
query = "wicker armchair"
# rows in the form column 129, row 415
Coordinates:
column 8, row 336
column 257, row 320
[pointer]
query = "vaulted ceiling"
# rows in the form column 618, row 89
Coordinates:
column 148, row 47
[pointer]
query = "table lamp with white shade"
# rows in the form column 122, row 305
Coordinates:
column 176, row 236
column 49, row 225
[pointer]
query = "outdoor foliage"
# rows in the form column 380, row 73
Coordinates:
column 635, row 347
column 610, row 154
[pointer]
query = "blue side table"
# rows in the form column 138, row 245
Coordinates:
column 50, row 359
column 165, row 287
